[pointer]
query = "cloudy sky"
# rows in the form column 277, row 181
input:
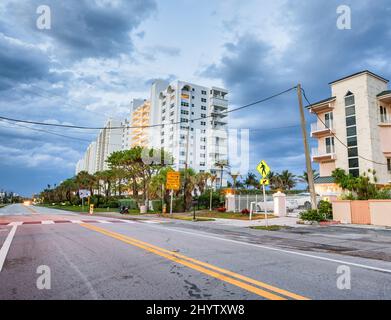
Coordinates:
column 99, row 54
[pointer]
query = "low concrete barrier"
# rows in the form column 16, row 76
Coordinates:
column 379, row 213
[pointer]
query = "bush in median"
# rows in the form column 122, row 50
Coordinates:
column 312, row 215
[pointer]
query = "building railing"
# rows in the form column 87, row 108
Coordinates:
column 320, row 127
column 320, row 153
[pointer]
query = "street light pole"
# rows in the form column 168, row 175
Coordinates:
column 310, row 173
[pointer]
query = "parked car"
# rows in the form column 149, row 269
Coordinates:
column 302, row 200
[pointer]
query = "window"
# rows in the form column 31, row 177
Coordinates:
column 353, row 152
column 184, row 104
column 203, row 92
column 353, row 163
column 349, row 99
column 352, row 131
column 352, row 141
column 164, row 111
column 203, row 123
column 383, row 114
column 163, row 118
column 203, row 100
column 330, row 145
column 184, row 112
column 202, row 155
column 389, row 165
column 350, row 121
column 350, row 111
column 354, row 172
column 202, row 164
column 203, row 147
column 184, row 120
column 203, row 115
column 162, row 141
column 203, row 107
column 328, row 117
column 172, row 105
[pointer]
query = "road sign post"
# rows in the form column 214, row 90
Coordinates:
column 173, row 183
column 264, row 203
column 264, row 170
column 171, row 198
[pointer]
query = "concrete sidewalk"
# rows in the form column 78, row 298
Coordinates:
column 284, row 221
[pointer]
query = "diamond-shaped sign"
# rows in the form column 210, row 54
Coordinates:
column 263, row 169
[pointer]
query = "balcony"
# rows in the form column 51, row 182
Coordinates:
column 219, row 102
column 384, row 120
column 323, row 156
column 319, row 130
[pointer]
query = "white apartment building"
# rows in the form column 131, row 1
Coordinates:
column 358, row 113
column 108, row 141
column 195, row 125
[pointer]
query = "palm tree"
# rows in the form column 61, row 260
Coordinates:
column 85, row 180
column 201, row 180
column 304, row 178
column 212, row 178
column 275, row 180
column 288, row 180
column 251, row 180
column 221, row 164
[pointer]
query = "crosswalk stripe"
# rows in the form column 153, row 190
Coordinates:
column 47, row 222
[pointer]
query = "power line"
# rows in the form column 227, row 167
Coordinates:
column 338, row 139
column 149, row 126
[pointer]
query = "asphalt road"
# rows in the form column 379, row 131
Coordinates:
column 105, row 258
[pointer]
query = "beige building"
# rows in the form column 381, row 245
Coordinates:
column 358, row 113
column 140, row 119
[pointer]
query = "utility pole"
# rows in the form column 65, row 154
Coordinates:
column 310, row 173
column 186, row 166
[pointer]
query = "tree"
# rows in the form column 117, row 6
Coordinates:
column 191, row 184
column 221, row 164
column 84, row 180
column 201, row 180
column 275, row 180
column 304, row 178
column 288, row 180
column 106, row 178
column 251, row 180
column 362, row 187
column 69, row 186
column 138, row 165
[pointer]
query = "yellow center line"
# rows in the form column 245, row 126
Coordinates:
column 32, row 210
column 216, row 272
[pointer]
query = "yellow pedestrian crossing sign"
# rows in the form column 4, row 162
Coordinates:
column 263, row 169
column 264, row 182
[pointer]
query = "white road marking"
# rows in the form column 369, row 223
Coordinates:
column 17, row 223
column 127, row 221
column 47, row 222
column 6, row 246
column 103, row 221
column 76, row 221
column 358, row 265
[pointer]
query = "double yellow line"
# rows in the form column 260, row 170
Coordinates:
column 257, row 287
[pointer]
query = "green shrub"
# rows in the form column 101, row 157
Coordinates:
column 177, row 205
column 157, row 205
column 326, row 209
column 312, row 215
column 130, row 203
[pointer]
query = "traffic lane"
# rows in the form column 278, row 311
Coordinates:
column 51, row 211
column 15, row 210
column 87, row 265
column 307, row 276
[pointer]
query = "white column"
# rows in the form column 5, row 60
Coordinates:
column 279, row 199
